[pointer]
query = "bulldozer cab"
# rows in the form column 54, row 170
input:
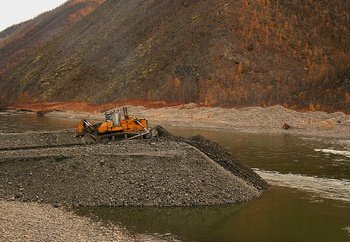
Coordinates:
column 114, row 116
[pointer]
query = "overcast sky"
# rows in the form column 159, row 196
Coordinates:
column 16, row 11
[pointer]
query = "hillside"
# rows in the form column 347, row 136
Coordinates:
column 19, row 41
column 216, row 53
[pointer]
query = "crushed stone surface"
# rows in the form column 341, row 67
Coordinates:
column 165, row 172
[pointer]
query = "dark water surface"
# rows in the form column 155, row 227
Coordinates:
column 309, row 199
column 23, row 121
column 282, row 153
column 282, row 214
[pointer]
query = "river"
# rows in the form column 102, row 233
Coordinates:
column 309, row 199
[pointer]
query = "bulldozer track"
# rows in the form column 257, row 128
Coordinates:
column 38, row 147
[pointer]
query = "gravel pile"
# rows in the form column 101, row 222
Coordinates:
column 29, row 140
column 166, row 172
column 221, row 156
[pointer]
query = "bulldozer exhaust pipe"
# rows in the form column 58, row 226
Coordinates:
column 125, row 111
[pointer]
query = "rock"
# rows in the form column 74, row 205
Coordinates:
column 286, row 126
column 56, row 205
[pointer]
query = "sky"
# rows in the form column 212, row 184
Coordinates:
column 16, row 11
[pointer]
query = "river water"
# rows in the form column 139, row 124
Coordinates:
column 309, row 199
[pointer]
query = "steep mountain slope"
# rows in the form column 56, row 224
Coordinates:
column 227, row 53
column 20, row 41
column 10, row 30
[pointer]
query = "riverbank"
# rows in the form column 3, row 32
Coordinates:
column 253, row 119
column 42, row 222
column 256, row 217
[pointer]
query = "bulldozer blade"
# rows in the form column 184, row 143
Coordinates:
column 88, row 139
column 139, row 135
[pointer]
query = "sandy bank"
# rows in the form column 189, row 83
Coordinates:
column 39, row 222
column 254, row 119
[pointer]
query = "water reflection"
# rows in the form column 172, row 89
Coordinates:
column 282, row 214
column 282, row 153
column 23, row 121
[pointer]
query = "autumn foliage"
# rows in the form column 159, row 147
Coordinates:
column 21, row 41
column 215, row 53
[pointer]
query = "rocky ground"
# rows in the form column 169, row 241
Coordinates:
column 55, row 168
column 253, row 119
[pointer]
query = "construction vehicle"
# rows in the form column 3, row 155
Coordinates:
column 117, row 126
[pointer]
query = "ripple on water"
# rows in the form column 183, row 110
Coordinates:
column 323, row 187
column 345, row 153
column 347, row 230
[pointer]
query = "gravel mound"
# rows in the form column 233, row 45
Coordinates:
column 34, row 140
column 166, row 172
column 221, row 156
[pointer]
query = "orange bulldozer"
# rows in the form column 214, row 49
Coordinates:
column 115, row 127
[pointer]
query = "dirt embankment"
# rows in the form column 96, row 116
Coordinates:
column 53, row 167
